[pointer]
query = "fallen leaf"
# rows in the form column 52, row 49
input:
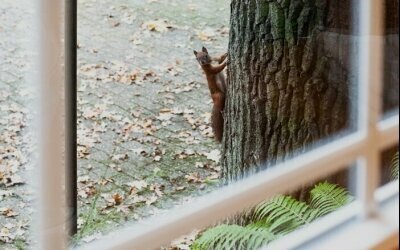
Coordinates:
column 151, row 200
column 117, row 198
column 193, row 178
column 157, row 189
column 158, row 26
column 137, row 186
column 7, row 212
column 214, row 155
column 13, row 180
column 120, row 157
column 83, row 179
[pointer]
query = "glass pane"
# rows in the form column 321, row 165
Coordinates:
column 144, row 135
column 154, row 132
column 18, row 55
column 391, row 58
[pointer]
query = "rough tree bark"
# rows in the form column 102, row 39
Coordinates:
column 391, row 73
column 289, row 80
column 391, row 79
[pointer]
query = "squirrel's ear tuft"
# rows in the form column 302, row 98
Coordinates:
column 195, row 52
column 205, row 50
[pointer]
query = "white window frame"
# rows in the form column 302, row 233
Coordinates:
column 363, row 147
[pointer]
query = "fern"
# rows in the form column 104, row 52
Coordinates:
column 274, row 218
column 395, row 166
column 284, row 214
column 326, row 198
column 226, row 237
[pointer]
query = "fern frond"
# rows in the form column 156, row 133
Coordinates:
column 226, row 237
column 326, row 198
column 395, row 166
column 263, row 228
column 284, row 214
column 274, row 218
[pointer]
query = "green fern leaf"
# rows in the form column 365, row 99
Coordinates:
column 326, row 198
column 284, row 214
column 274, row 218
column 262, row 228
column 226, row 237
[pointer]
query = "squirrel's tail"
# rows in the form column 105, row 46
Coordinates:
column 217, row 123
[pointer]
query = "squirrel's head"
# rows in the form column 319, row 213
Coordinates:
column 202, row 57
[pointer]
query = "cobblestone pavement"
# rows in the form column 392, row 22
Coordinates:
column 145, row 144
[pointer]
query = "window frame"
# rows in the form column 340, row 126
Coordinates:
column 363, row 147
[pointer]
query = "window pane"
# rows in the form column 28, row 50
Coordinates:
column 144, row 135
column 18, row 146
column 148, row 126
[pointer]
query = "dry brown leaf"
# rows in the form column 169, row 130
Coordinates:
column 208, row 34
column 151, row 200
column 8, row 212
column 83, row 179
column 136, row 186
column 157, row 188
column 117, row 198
column 193, row 178
column 158, row 26
column 120, row 157
column 213, row 176
column 13, row 180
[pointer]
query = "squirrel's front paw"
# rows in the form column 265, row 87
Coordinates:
column 224, row 56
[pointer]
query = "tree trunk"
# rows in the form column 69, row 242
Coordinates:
column 288, row 80
column 391, row 73
column 391, row 79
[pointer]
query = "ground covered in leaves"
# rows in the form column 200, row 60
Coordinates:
column 144, row 137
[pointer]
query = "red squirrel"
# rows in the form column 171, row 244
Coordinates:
column 217, row 87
